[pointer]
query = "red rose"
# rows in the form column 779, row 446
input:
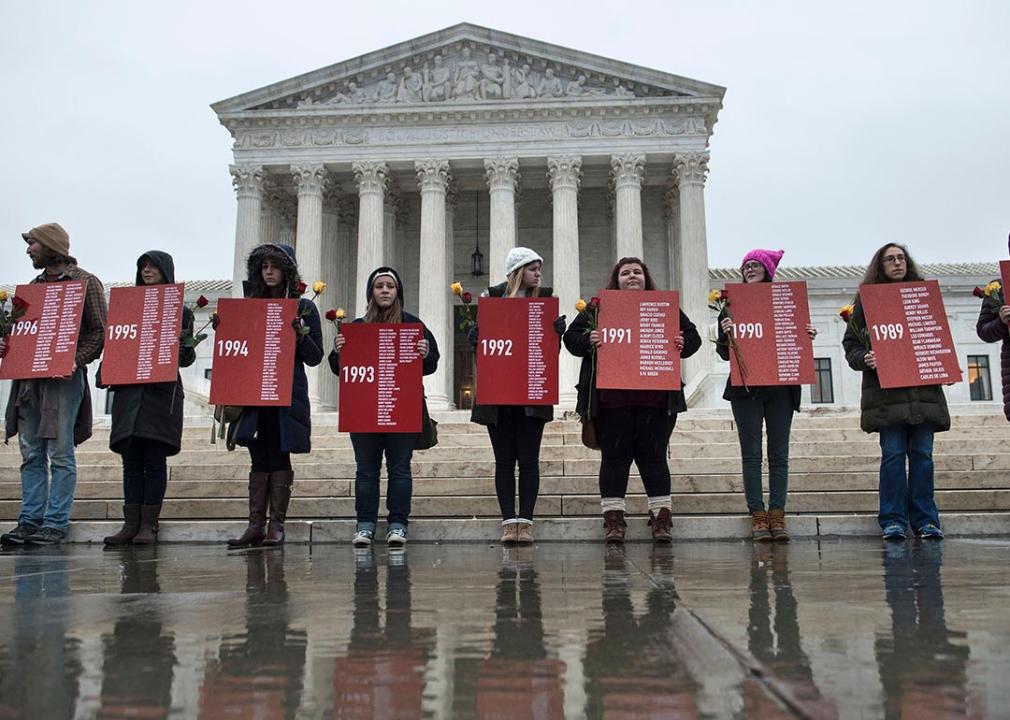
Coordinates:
column 20, row 303
column 594, row 302
column 467, row 298
column 202, row 301
column 331, row 315
column 978, row 292
column 845, row 314
column 723, row 295
column 302, row 287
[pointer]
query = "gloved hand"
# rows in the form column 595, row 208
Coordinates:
column 559, row 325
column 215, row 320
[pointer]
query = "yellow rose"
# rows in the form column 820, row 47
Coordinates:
column 318, row 286
column 580, row 305
column 3, row 296
column 341, row 314
column 456, row 288
column 993, row 287
column 714, row 296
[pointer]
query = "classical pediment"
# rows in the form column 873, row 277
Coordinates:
column 466, row 65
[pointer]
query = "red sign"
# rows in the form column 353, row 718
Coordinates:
column 771, row 334
column 142, row 336
column 254, row 352
column 517, row 351
column 638, row 328
column 380, row 378
column 43, row 343
column 1004, row 275
column 909, row 334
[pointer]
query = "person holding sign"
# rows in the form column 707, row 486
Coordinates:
column 631, row 425
column 753, row 407
column 905, row 417
column 384, row 293
column 271, row 434
column 994, row 326
column 147, row 425
column 52, row 416
column 515, row 430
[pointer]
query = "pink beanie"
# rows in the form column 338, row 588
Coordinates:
column 769, row 258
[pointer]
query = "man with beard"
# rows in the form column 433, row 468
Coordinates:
column 53, row 416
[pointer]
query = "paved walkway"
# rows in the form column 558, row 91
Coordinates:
column 847, row 628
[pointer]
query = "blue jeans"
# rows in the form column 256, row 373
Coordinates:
column 907, row 497
column 44, row 503
column 368, row 450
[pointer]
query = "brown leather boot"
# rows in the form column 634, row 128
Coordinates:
column 661, row 523
column 148, row 534
column 131, row 524
column 254, row 532
column 759, row 531
column 777, row 525
column 280, row 496
column 613, row 526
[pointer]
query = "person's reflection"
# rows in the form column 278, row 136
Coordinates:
column 632, row 668
column 139, row 656
column 922, row 664
column 258, row 674
column 40, row 667
column 382, row 675
column 518, row 680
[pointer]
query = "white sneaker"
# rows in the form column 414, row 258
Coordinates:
column 397, row 537
column 362, row 538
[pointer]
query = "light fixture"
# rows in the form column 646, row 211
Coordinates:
column 477, row 258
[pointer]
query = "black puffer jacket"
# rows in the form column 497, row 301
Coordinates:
column 892, row 406
column 488, row 414
column 576, row 339
column 152, row 411
column 991, row 329
column 751, row 392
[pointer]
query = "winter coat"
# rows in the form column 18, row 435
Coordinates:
column 295, row 419
column 751, row 392
column 428, row 366
column 991, row 329
column 488, row 414
column 576, row 339
column 889, row 407
column 152, row 411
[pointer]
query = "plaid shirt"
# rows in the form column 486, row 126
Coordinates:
column 91, row 337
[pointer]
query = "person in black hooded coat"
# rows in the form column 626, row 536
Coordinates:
column 271, row 434
column 147, row 425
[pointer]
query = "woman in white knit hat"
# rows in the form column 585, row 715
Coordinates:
column 516, row 430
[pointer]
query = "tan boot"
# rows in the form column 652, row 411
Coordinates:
column 759, row 530
column 510, row 534
column 524, row 535
column 777, row 525
column 613, row 526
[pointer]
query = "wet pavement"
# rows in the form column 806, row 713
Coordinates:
column 847, row 628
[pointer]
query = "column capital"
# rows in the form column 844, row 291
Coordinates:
column 283, row 204
column 671, row 200
column 310, row 179
column 690, row 168
column 564, row 171
column 451, row 194
column 433, row 174
column 502, row 173
column 627, row 170
column 332, row 198
column 371, row 176
column 248, row 180
column 347, row 210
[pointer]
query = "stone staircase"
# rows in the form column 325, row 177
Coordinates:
column 833, row 482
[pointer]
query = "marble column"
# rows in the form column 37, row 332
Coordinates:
column 502, row 175
column 448, row 359
column 392, row 250
column 432, row 178
column 248, row 181
column 564, row 174
column 332, row 258
column 671, row 212
column 311, row 181
column 627, row 171
column 372, row 179
column 689, row 170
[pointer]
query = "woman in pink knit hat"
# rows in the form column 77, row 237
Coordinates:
column 771, row 407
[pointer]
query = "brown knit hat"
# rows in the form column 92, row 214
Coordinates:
column 52, row 235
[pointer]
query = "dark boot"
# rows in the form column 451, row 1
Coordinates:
column 777, row 525
column 280, row 496
column 661, row 524
column 258, row 487
column 131, row 525
column 148, row 534
column 613, row 526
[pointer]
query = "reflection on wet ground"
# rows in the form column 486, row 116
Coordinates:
column 829, row 629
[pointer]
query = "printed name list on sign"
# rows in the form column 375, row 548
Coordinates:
column 43, row 343
column 254, row 352
column 380, row 378
column 142, row 335
column 770, row 321
column 517, row 341
column 909, row 334
column 638, row 328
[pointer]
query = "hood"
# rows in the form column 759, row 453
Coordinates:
column 163, row 261
column 289, row 263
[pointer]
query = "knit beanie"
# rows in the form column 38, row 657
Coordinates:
column 388, row 272
column 518, row 257
column 769, row 258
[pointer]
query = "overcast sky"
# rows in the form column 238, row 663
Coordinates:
column 845, row 125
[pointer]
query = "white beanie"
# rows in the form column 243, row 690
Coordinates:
column 518, row 257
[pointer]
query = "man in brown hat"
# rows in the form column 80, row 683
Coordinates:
column 52, row 416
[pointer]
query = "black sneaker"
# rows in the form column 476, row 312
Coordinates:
column 19, row 535
column 47, row 536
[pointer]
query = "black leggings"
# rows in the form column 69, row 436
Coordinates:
column 265, row 451
column 639, row 434
column 516, row 439
column 145, row 472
